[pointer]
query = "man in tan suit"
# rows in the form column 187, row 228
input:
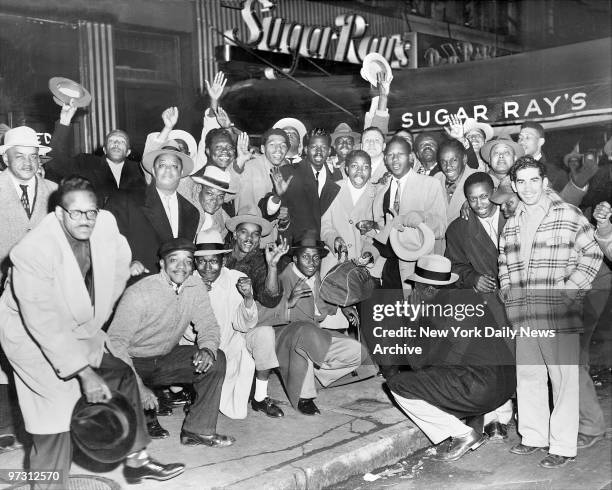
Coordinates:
column 51, row 317
column 24, row 199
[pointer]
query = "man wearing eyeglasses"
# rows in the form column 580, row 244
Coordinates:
column 23, row 204
column 66, row 275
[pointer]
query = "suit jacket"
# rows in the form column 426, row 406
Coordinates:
column 471, row 250
column 340, row 219
column 453, row 207
column 302, row 198
column 49, row 328
column 93, row 168
column 143, row 221
column 14, row 221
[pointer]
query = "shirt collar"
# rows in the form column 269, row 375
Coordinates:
column 543, row 204
column 309, row 280
column 17, row 183
column 113, row 164
column 163, row 196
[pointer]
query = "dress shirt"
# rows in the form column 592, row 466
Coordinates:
column 393, row 188
column 311, row 281
column 322, row 177
column 116, row 169
column 170, row 203
column 490, row 225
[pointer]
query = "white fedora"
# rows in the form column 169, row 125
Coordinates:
column 64, row 89
column 292, row 122
column 175, row 134
column 412, row 243
column 170, row 147
column 472, row 124
column 214, row 177
column 433, row 269
column 209, row 242
column 22, row 136
column 372, row 64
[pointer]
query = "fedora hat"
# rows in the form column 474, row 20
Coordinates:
column 485, row 151
column 170, row 147
column 412, row 243
column 104, row 431
column 433, row 269
column 175, row 134
column 308, row 240
column 250, row 217
column 344, row 129
column 214, row 177
column 64, row 89
column 209, row 242
column 372, row 64
column 294, row 123
column 472, row 124
column 502, row 194
column 22, row 136
column 569, row 156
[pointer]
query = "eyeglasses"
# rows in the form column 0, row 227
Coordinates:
column 75, row 214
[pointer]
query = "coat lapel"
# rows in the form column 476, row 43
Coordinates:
column 153, row 209
column 480, row 239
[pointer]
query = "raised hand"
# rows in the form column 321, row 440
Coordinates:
column 300, row 290
column 280, row 184
column 242, row 150
column 222, row 118
column 215, row 90
column 245, row 288
column 170, row 117
column 583, row 175
column 455, row 128
column 67, row 113
column 274, row 252
column 383, row 84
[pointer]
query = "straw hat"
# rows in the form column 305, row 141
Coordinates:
column 412, row 243
column 433, row 269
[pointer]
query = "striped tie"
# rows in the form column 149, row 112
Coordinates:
column 25, row 201
column 396, row 201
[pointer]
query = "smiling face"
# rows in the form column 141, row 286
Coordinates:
column 529, row 185
column 308, row 261
column 373, row 143
column 358, row 171
column 211, row 199
column 478, row 199
column 317, row 151
column 22, row 161
column 247, row 237
column 178, row 265
column 167, row 170
column 398, row 158
column 344, row 145
column 502, row 158
column 275, row 149
column 452, row 163
column 117, row 146
column 221, row 152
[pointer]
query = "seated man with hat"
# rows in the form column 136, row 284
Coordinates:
column 51, row 330
column 214, row 185
column 149, row 322
column 150, row 218
column 305, row 351
column 455, row 377
column 247, row 348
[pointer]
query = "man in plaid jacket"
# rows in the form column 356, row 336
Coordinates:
column 547, row 246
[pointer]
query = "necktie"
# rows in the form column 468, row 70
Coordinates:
column 25, row 201
column 396, row 201
column 317, row 175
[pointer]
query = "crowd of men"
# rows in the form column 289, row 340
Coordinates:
column 189, row 277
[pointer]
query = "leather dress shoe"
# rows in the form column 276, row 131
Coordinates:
column 164, row 409
column 152, row 470
column 585, row 441
column 523, row 450
column 179, row 398
column 496, row 431
column 210, row 440
column 9, row 442
column 458, row 446
column 307, row 406
column 156, row 431
column 553, row 461
column 268, row 407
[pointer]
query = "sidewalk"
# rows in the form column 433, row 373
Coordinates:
column 357, row 431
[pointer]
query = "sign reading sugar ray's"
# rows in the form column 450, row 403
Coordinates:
column 345, row 41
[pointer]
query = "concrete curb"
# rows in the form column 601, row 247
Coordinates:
column 338, row 463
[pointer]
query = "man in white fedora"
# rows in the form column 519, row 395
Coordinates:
column 477, row 133
column 214, row 185
column 248, row 348
column 24, row 200
column 455, row 379
column 296, row 130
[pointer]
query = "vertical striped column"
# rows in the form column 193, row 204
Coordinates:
column 97, row 70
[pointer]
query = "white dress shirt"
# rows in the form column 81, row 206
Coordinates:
column 170, row 203
column 116, row 169
column 322, row 177
column 31, row 189
column 490, row 225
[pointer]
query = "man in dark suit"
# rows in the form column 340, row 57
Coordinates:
column 159, row 213
column 472, row 247
column 108, row 173
column 307, row 190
